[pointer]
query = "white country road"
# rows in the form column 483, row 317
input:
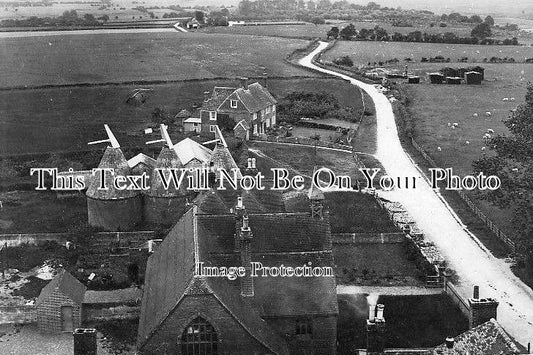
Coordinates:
column 474, row 264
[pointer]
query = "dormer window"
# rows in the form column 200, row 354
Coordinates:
column 233, row 103
column 212, row 115
column 304, row 327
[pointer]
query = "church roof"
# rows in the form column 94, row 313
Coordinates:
column 278, row 238
column 112, row 158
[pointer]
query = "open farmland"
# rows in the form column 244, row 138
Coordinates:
column 56, row 119
column 434, row 106
column 112, row 57
column 363, row 52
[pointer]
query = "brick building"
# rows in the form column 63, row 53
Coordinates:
column 252, row 104
column 186, row 312
column 59, row 304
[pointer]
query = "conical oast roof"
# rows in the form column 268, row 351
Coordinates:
column 113, row 158
column 222, row 159
column 251, row 203
column 314, row 192
column 167, row 159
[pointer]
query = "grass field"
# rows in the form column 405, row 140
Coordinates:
column 94, row 58
column 44, row 120
column 363, row 52
column 434, row 106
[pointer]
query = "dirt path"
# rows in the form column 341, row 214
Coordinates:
column 473, row 264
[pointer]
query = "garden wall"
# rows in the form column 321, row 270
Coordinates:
column 18, row 314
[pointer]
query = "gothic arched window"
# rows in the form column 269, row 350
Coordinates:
column 199, row 338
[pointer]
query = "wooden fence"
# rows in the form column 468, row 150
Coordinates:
column 368, row 238
column 303, row 141
column 490, row 225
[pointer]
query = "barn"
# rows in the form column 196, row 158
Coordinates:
column 473, row 78
column 436, row 78
column 59, row 304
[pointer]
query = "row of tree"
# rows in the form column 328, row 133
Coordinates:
column 478, row 36
column 67, row 19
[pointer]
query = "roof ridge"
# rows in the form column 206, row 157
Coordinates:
column 504, row 334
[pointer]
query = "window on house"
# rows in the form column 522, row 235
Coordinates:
column 304, row 326
column 213, row 128
column 233, row 103
column 199, row 338
column 212, row 115
column 268, row 109
column 255, row 129
column 255, row 116
column 273, row 108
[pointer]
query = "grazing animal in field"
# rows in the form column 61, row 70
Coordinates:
column 488, row 114
column 512, row 99
column 505, row 99
column 455, row 124
column 475, row 115
column 490, row 130
column 439, row 149
column 467, row 142
column 515, row 170
column 483, row 148
column 449, row 124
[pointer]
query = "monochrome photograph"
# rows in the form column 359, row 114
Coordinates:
column 266, row 177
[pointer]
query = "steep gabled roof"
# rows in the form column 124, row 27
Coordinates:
column 218, row 96
column 170, row 276
column 255, row 97
column 67, row 284
column 187, row 150
column 113, row 158
column 183, row 114
column 141, row 158
column 488, row 338
column 210, row 202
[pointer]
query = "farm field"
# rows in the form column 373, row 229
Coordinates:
column 97, row 58
column 56, row 119
column 363, row 52
column 434, row 106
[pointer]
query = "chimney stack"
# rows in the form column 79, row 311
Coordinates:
column 247, row 282
column 265, row 80
column 481, row 309
column 371, row 313
column 375, row 330
column 240, row 211
column 251, row 168
column 244, row 82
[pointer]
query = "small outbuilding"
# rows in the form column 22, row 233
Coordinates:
column 436, row 78
column 192, row 124
column 479, row 70
column 413, row 80
column 453, row 80
column 473, row 78
column 59, row 304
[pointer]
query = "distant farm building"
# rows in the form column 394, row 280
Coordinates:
column 192, row 124
column 473, row 78
column 436, row 78
column 453, row 80
column 413, row 80
column 59, row 304
column 193, row 24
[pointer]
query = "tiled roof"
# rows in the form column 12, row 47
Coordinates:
column 255, row 97
column 130, row 295
column 67, row 284
column 251, row 203
column 168, row 272
column 188, row 150
column 113, row 158
column 193, row 120
column 210, row 202
column 488, row 338
column 167, row 159
column 218, row 96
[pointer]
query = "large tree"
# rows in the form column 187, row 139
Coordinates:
column 481, row 31
column 348, row 32
column 513, row 164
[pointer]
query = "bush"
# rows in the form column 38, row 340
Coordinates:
column 345, row 61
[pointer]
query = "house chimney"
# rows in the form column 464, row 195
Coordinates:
column 379, row 314
column 244, row 82
column 449, row 342
column 250, row 168
column 206, row 96
column 375, row 334
column 265, row 80
column 371, row 313
column 247, row 281
column 240, row 211
column 481, row 309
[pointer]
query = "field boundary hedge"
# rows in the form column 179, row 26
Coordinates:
column 488, row 222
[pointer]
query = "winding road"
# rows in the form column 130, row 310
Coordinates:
column 473, row 263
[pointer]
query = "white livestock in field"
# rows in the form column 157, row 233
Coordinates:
column 439, row 149
column 505, row 99
column 488, row 114
column 475, row 114
column 490, row 130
